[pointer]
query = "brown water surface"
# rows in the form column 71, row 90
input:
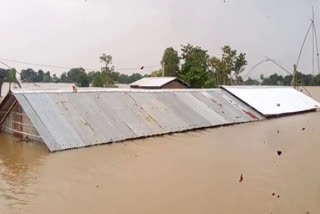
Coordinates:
column 196, row 172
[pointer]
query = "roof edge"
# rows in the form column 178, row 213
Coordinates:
column 88, row 90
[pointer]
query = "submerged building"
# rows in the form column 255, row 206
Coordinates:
column 159, row 83
column 63, row 119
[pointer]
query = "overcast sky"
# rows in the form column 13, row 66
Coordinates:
column 75, row 33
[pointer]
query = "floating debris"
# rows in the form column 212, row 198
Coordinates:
column 279, row 153
column 273, row 194
column 303, row 129
column 241, row 178
column 278, row 132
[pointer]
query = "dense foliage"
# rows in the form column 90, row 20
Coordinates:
column 194, row 66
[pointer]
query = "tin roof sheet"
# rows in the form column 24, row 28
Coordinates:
column 156, row 82
column 67, row 120
column 272, row 101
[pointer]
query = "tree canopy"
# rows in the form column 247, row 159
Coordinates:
column 195, row 69
column 170, row 62
column 228, row 68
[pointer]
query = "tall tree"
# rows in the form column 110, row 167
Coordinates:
column 230, row 64
column 170, row 62
column 239, row 66
column 195, row 69
column 106, row 70
column 12, row 76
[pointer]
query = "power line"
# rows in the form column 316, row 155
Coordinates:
column 68, row 68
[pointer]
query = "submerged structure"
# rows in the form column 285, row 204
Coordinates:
column 273, row 101
column 159, row 83
column 66, row 120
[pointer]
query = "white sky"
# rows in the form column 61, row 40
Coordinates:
column 75, row 33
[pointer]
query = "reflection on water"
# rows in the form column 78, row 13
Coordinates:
column 18, row 165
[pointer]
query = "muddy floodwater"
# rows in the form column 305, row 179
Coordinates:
column 264, row 167
column 196, row 172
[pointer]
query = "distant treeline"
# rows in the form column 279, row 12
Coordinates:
column 194, row 66
column 75, row 75
column 275, row 79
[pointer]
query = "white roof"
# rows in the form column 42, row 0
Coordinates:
column 272, row 100
column 153, row 81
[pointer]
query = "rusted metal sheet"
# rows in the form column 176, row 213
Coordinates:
column 67, row 120
column 272, row 100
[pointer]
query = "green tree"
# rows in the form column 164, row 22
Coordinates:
column 64, row 77
column 170, row 62
column 210, row 83
column 28, row 75
column 274, row 79
column 4, row 73
column 91, row 76
column 12, row 77
column 157, row 73
column 47, row 77
column 83, row 80
column 40, row 76
column 73, row 74
column 55, row 78
column 230, row 64
column 107, row 70
column 115, row 76
column 195, row 69
column 134, row 77
column 239, row 66
column 98, row 80
column 250, row 81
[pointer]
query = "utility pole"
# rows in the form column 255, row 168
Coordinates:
column 294, row 81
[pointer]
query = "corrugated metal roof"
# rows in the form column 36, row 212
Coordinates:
column 271, row 100
column 67, row 120
column 35, row 86
column 155, row 82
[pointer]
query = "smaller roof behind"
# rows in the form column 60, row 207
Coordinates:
column 154, row 82
column 273, row 100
